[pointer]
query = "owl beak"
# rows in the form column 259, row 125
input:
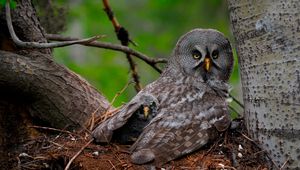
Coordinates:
column 146, row 110
column 207, row 64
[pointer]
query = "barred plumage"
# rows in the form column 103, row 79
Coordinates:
column 189, row 99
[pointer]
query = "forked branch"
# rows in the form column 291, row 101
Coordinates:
column 23, row 44
column 151, row 61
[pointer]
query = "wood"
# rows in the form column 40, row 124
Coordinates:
column 35, row 90
column 267, row 42
column 53, row 93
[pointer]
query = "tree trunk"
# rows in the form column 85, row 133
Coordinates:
column 34, row 89
column 267, row 34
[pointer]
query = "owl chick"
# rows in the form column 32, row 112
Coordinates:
column 189, row 98
column 131, row 130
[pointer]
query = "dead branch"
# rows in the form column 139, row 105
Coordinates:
column 151, row 61
column 109, row 111
column 52, row 129
column 123, row 36
column 77, row 154
column 134, row 73
column 23, row 44
column 258, row 146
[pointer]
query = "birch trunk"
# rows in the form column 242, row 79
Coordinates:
column 267, row 34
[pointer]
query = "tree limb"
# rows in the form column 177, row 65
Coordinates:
column 151, row 61
column 123, row 36
column 52, row 92
column 23, row 44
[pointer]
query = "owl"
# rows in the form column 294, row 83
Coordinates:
column 188, row 99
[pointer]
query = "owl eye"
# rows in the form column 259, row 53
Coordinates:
column 196, row 54
column 215, row 54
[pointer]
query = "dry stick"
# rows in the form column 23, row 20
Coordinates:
column 121, row 162
column 245, row 136
column 151, row 61
column 134, row 73
column 53, row 129
column 259, row 152
column 23, row 44
column 108, row 110
column 227, row 167
column 77, row 154
column 120, row 92
column 123, row 36
column 113, row 100
column 284, row 163
column 113, row 167
column 259, row 148
column 207, row 152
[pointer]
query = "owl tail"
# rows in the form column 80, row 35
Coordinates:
column 142, row 156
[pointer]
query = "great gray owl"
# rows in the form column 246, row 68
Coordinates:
column 189, row 99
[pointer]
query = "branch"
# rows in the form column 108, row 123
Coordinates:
column 59, row 90
column 237, row 101
column 123, row 36
column 110, row 15
column 77, row 154
column 23, row 44
column 134, row 73
column 151, row 61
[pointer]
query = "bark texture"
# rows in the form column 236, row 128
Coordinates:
column 53, row 93
column 34, row 89
column 267, row 34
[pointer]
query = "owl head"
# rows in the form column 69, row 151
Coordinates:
column 205, row 54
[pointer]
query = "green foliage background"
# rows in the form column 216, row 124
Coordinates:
column 154, row 25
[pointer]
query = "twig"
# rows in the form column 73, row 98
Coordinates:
column 111, row 16
column 207, row 152
column 262, row 151
column 57, row 144
column 120, row 92
column 53, row 129
column 283, row 165
column 268, row 156
column 77, row 154
column 113, row 167
column 123, row 36
column 151, row 61
column 134, row 73
column 107, row 114
column 108, row 111
column 122, row 163
column 247, row 138
column 226, row 167
column 237, row 101
column 23, row 44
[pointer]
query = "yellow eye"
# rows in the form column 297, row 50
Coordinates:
column 196, row 54
column 215, row 54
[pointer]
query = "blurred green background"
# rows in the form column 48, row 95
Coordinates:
column 154, row 25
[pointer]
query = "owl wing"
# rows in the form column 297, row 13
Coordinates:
column 167, row 138
column 103, row 133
